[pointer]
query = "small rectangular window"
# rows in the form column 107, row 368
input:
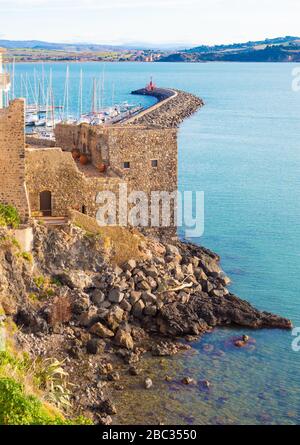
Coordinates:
column 126, row 165
column 154, row 163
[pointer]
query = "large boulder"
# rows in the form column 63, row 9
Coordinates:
column 101, row 331
column 124, row 339
column 138, row 309
column 204, row 311
column 116, row 295
column 129, row 265
column 114, row 317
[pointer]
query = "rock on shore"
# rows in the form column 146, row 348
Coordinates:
column 177, row 289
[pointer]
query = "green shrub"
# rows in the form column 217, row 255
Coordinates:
column 39, row 281
column 18, row 408
column 27, row 257
column 9, row 216
column 15, row 243
column 56, row 282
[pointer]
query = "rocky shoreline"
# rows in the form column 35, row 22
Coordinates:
column 70, row 302
column 170, row 113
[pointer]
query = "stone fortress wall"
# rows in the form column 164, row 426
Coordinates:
column 141, row 151
column 146, row 158
column 141, row 154
column 53, row 170
column 12, row 158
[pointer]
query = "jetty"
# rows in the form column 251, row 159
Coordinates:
column 172, row 108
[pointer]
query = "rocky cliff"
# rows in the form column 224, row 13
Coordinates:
column 70, row 299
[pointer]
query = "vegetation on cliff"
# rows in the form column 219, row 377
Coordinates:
column 285, row 49
column 27, row 385
column 9, row 216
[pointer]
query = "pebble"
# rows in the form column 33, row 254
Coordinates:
column 205, row 384
column 148, row 383
column 188, row 381
column 134, row 371
column 113, row 377
column 208, row 348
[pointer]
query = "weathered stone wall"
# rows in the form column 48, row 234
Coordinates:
column 53, row 170
column 83, row 137
column 12, row 162
column 116, row 145
column 39, row 142
column 140, row 146
column 146, row 158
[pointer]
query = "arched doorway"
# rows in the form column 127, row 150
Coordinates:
column 46, row 203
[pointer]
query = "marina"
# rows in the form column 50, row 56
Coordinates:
column 45, row 108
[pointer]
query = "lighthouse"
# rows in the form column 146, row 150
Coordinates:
column 4, row 79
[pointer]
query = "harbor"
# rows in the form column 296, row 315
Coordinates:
column 45, row 107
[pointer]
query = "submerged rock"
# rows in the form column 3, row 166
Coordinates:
column 188, row 381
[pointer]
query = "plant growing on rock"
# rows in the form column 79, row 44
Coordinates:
column 53, row 379
column 27, row 257
column 9, row 216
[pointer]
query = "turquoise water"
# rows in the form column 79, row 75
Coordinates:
column 242, row 150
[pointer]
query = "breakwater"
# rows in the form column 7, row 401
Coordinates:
column 172, row 108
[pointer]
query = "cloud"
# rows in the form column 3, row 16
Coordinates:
column 91, row 4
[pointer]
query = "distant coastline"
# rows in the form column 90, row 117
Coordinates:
column 280, row 49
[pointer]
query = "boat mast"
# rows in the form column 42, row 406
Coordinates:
column 13, row 78
column 66, row 95
column 36, row 93
column 80, row 98
column 102, row 87
column 51, row 98
column 113, row 94
column 47, row 108
column 94, row 98
column 43, row 82
column 21, row 81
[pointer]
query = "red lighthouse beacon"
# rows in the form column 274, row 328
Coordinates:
column 151, row 86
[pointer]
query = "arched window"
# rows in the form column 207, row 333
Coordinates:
column 83, row 209
column 46, row 203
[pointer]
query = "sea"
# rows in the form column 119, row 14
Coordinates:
column 242, row 149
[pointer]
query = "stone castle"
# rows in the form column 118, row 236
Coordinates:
column 41, row 178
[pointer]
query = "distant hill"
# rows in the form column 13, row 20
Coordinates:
column 84, row 47
column 37, row 44
column 280, row 49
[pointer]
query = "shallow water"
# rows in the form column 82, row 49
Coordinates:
column 242, row 150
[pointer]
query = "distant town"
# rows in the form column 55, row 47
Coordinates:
column 48, row 55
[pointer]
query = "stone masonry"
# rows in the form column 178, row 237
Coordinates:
column 51, row 169
column 12, row 158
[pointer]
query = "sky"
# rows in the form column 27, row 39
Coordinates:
column 154, row 21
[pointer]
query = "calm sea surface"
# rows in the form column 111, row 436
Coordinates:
column 243, row 150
